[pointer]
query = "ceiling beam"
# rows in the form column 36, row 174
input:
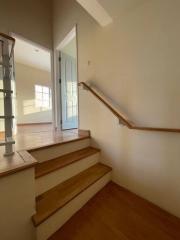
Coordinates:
column 94, row 8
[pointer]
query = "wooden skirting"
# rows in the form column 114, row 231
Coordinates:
column 29, row 124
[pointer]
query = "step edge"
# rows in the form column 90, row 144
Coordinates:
column 60, row 167
column 56, row 221
column 30, row 150
column 43, row 220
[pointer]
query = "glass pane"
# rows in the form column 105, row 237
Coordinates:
column 46, row 97
column 38, row 88
column 39, row 96
column 45, row 90
column 42, row 97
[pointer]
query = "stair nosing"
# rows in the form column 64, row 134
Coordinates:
column 67, row 164
column 58, row 143
column 58, row 208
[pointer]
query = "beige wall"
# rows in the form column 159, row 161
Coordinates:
column 26, row 79
column 70, row 48
column 17, row 206
column 29, row 18
column 135, row 61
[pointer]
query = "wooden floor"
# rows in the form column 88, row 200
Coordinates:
column 34, row 136
column 116, row 214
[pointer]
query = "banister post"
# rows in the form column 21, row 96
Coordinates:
column 7, row 73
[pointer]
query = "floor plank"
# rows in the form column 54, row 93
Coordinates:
column 115, row 213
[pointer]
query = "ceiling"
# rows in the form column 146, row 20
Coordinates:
column 119, row 8
column 107, row 11
column 32, row 55
column 97, row 11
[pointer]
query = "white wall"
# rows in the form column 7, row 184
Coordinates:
column 70, row 48
column 134, row 61
column 17, row 206
column 29, row 18
column 26, row 79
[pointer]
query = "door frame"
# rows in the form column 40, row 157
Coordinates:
column 57, row 72
column 13, row 34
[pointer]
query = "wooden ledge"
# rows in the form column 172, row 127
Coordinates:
column 19, row 161
column 22, row 158
column 57, row 143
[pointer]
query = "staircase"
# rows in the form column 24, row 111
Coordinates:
column 66, row 177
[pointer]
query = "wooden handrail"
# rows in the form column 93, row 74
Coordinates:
column 118, row 115
column 121, row 118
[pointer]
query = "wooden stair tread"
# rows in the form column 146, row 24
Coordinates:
column 46, row 167
column 54, row 199
column 59, row 141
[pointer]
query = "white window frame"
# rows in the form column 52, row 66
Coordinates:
column 43, row 96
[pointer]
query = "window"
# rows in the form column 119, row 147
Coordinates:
column 43, row 97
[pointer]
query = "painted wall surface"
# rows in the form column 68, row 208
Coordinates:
column 29, row 18
column 17, row 205
column 70, row 48
column 135, row 62
column 27, row 109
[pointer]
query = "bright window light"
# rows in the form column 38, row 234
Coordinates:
column 43, row 97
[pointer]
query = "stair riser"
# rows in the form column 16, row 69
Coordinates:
column 54, row 178
column 53, row 223
column 56, row 151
